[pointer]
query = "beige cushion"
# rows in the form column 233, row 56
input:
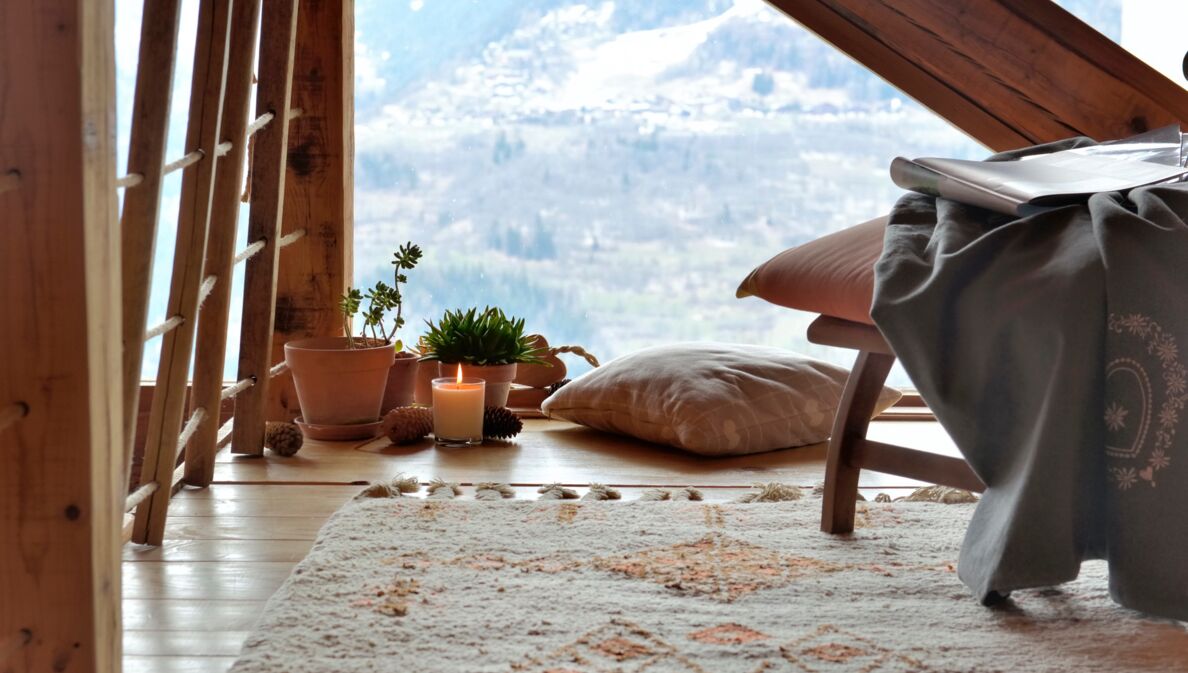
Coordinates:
column 710, row 398
column 833, row 275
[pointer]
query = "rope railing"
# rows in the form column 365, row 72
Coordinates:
column 191, row 427
column 236, row 388
column 157, row 330
column 255, row 248
column 243, row 384
column 11, row 413
column 249, row 252
column 187, row 160
column 140, row 495
column 10, row 180
column 290, row 238
column 258, row 124
column 208, row 286
column 129, row 180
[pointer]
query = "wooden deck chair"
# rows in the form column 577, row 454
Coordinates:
column 834, row 276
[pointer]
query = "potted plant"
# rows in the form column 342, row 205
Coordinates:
column 342, row 381
column 487, row 344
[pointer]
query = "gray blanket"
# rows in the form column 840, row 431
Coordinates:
column 1052, row 349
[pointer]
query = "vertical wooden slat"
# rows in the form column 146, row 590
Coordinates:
column 319, row 188
column 60, row 485
column 146, row 157
column 277, row 38
column 211, row 347
column 165, row 419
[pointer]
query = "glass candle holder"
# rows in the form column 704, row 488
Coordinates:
column 458, row 411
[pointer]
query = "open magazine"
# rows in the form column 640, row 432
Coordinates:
column 1047, row 180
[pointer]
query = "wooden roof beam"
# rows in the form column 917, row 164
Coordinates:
column 1007, row 72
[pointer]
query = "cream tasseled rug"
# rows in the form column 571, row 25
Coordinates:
column 404, row 584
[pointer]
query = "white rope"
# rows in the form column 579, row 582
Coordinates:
column 158, row 330
column 223, row 148
column 249, row 252
column 260, row 123
column 188, row 160
column 140, row 495
column 208, row 286
column 295, row 113
column 196, row 419
column 277, row 369
column 290, row 238
column 129, row 180
column 236, row 388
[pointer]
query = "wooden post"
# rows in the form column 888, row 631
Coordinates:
column 142, row 203
column 61, row 449
column 211, row 347
column 319, row 188
column 169, row 399
column 277, row 38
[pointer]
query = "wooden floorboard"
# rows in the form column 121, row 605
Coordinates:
column 189, row 604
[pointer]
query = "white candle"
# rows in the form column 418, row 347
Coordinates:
column 458, row 410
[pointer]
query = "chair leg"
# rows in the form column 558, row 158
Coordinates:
column 849, row 429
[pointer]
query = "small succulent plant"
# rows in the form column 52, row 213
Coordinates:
column 381, row 299
column 474, row 337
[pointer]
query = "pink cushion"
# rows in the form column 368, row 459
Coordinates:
column 833, row 275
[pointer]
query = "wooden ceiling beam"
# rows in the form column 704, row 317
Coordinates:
column 1007, row 72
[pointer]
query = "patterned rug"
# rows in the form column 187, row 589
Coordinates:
column 406, row 584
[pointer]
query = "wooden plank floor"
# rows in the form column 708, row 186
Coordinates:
column 189, row 604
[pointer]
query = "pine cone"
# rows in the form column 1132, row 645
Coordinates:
column 407, row 424
column 501, row 423
column 284, row 439
column 554, row 387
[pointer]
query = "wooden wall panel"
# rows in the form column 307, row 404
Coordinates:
column 319, row 187
column 61, row 464
column 1007, row 72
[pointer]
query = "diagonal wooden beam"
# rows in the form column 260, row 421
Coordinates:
column 278, row 37
column 142, row 204
column 1007, row 72
column 204, row 133
column 211, row 346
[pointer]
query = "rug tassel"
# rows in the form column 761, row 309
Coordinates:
column 443, row 490
column 556, row 492
column 405, row 483
column 942, row 494
column 602, row 492
column 687, row 493
column 655, row 495
column 772, row 491
column 489, row 490
column 379, row 490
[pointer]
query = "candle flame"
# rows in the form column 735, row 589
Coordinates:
column 459, row 374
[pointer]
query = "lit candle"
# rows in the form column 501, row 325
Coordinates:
column 458, row 410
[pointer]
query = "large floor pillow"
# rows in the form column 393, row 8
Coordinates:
column 714, row 399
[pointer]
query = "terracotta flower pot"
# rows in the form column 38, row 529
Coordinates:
column 337, row 385
column 498, row 377
column 423, row 393
column 402, row 381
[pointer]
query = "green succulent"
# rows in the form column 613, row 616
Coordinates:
column 474, row 337
column 381, row 299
